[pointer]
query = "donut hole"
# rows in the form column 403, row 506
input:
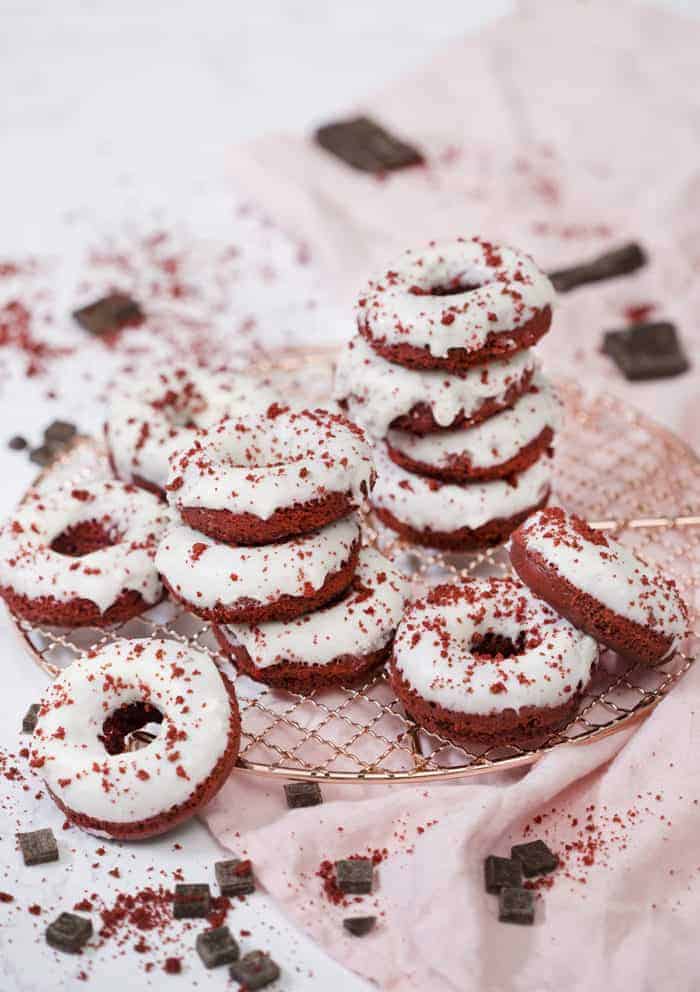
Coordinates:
column 131, row 727
column 494, row 645
column 85, row 537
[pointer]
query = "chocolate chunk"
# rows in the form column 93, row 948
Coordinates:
column 358, row 926
column 618, row 262
column 217, row 947
column 300, row 794
column 646, row 351
column 43, row 455
column 235, row 877
column 38, row 846
column 109, row 314
column 502, row 871
column 535, row 858
column 516, row 906
column 254, row 970
column 59, row 433
column 17, row 443
column 365, row 145
column 69, row 932
column 191, row 900
column 354, row 876
column 30, row 719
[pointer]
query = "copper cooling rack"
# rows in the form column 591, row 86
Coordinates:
column 614, row 466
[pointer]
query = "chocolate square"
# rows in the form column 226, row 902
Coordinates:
column 43, row 455
column 358, row 926
column 299, row 794
column 363, row 144
column 646, row 351
column 618, row 262
column 235, row 877
column 38, row 846
column 69, row 932
column 216, row 947
column 516, row 906
column 254, row 971
column 354, row 876
column 17, row 443
column 535, row 858
column 191, row 900
column 502, row 871
column 30, row 719
column 109, row 314
column 59, row 433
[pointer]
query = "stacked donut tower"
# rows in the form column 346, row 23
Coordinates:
column 442, row 376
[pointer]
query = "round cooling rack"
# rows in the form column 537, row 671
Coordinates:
column 613, row 466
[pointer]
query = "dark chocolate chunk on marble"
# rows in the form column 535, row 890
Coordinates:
column 254, row 971
column 502, row 871
column 516, row 905
column 69, row 932
column 354, row 876
column 647, row 351
column 30, row 718
column 217, row 947
column 38, row 846
column 300, row 794
column 109, row 314
column 618, row 262
column 235, row 877
column 17, row 443
column 59, row 433
column 191, row 900
column 535, row 858
column 358, row 926
column 363, row 144
column 43, row 455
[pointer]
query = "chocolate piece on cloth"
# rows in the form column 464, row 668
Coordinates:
column 109, row 314
column 191, row 900
column 38, row 846
column 299, row 794
column 618, row 262
column 43, row 455
column 363, row 144
column 59, row 433
column 535, row 858
column 516, row 906
column 254, row 971
column 502, row 871
column 354, row 876
column 69, row 932
column 359, row 926
column 646, row 351
column 17, row 443
column 30, row 718
column 235, row 877
column 216, row 947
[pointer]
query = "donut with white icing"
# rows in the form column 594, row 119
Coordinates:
column 337, row 644
column 243, row 584
column 600, row 586
column 505, row 444
column 456, row 304
column 456, row 517
column 157, row 415
column 83, row 555
column 486, row 660
column 81, row 744
column 257, row 480
column 379, row 395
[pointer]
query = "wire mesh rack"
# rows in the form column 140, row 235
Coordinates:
column 613, row 466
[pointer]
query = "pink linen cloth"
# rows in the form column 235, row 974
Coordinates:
column 565, row 129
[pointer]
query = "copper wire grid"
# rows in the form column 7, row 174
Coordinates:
column 617, row 468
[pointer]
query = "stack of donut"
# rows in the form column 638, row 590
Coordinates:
column 269, row 547
column 442, row 376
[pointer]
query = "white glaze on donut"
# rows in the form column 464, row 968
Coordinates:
column 278, row 460
column 29, row 566
column 156, row 416
column 493, row 442
column 433, row 649
column 398, row 308
column 186, row 687
column 360, row 623
column 426, row 503
column 206, row 573
column 377, row 392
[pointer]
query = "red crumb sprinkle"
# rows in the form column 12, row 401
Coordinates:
column 639, row 312
column 6, row 897
column 35, row 909
column 172, row 966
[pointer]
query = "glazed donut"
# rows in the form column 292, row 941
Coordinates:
column 506, row 443
column 337, row 644
column 456, row 517
column 78, row 746
column 150, row 419
column 83, row 555
column 259, row 480
column 486, row 660
column 600, row 586
column 456, row 304
column 379, row 395
column 255, row 584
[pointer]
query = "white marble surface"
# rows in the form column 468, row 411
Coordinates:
column 110, row 111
